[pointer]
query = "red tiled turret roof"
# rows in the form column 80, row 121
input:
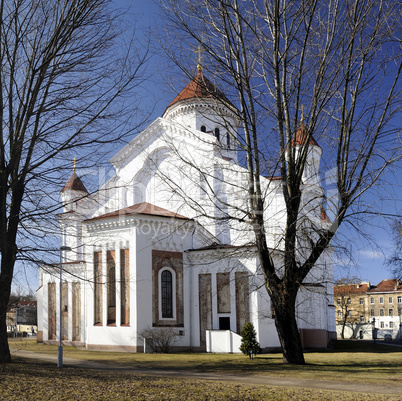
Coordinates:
column 199, row 87
column 301, row 136
column 74, row 183
column 324, row 216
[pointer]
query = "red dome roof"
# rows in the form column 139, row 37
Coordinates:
column 199, row 87
column 301, row 137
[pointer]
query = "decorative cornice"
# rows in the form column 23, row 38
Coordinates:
column 154, row 223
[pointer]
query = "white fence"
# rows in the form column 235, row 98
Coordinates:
column 223, row 341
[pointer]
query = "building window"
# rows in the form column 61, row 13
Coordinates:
column 167, row 294
column 372, row 300
column 381, row 325
column 361, row 301
column 391, row 325
column 399, row 299
column 349, row 301
column 390, row 300
column 217, row 134
column 125, row 286
column 98, row 284
column 381, row 300
column 371, row 312
column 223, row 292
column 339, row 313
column 349, row 313
column 399, row 312
column 381, row 312
column 111, row 287
column 391, row 312
column 228, row 140
column 338, row 301
column 203, row 128
column 361, row 319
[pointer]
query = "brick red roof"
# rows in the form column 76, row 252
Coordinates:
column 389, row 285
column 74, row 183
column 301, row 137
column 353, row 289
column 143, row 208
column 199, row 87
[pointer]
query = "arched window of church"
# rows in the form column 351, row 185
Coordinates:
column 167, row 294
column 228, row 140
column 217, row 134
column 203, row 128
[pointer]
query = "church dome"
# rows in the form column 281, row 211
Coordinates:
column 198, row 88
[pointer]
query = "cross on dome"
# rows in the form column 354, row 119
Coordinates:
column 199, row 51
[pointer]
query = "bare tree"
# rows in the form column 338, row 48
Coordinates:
column 341, row 63
column 66, row 78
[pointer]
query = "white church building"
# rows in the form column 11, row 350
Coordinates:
column 165, row 242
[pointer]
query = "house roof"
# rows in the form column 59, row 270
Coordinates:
column 143, row 208
column 199, row 88
column 389, row 285
column 74, row 183
column 301, row 136
column 352, row 289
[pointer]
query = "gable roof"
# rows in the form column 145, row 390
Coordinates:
column 345, row 289
column 74, row 183
column 388, row 285
column 199, row 88
column 143, row 208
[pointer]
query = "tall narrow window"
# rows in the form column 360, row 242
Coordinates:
column 228, row 140
column 223, row 291
column 64, row 309
column 203, row 128
column 111, row 287
column 167, row 294
column 98, row 288
column 124, row 286
column 217, row 134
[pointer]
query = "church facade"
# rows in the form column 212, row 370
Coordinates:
column 165, row 242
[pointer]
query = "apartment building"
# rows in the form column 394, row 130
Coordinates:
column 385, row 304
column 369, row 311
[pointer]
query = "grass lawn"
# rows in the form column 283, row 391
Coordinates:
column 350, row 361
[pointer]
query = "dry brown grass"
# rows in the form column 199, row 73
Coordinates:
column 354, row 362
column 38, row 381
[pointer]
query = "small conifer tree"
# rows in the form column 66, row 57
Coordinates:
column 249, row 344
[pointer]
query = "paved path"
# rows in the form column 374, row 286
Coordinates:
column 249, row 379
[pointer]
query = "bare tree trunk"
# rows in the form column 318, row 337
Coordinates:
column 285, row 322
column 7, row 268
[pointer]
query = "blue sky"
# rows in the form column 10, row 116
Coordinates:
column 369, row 260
